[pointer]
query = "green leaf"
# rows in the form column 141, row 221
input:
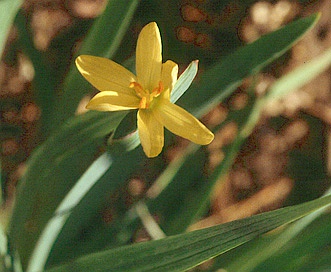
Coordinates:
column 290, row 82
column 179, row 204
column 248, row 117
column 87, row 212
column 284, row 85
column 49, row 72
column 3, row 239
column 63, row 211
column 177, row 214
column 184, row 81
column 220, row 80
column 52, row 171
column 247, row 259
column 296, row 255
column 73, row 168
column 261, row 252
column 102, row 40
column 8, row 10
column 184, row 251
column 175, row 206
column 300, row 76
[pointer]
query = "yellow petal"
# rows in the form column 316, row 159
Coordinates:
column 182, row 123
column 169, row 75
column 151, row 133
column 148, row 56
column 105, row 74
column 113, row 101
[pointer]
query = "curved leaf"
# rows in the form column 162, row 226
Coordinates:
column 52, row 171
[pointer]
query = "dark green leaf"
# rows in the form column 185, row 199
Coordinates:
column 220, row 81
column 103, row 40
column 177, row 212
column 184, row 251
column 52, row 171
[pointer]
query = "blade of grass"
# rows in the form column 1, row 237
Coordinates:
column 183, row 212
column 52, row 171
column 125, row 226
column 267, row 247
column 28, row 245
column 48, row 77
column 44, row 82
column 62, row 213
column 223, row 78
column 184, row 251
column 103, row 40
column 8, row 10
column 87, row 212
column 296, row 256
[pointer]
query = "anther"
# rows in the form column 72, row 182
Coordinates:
column 139, row 89
column 158, row 90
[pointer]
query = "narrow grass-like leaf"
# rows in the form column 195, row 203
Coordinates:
column 52, row 171
column 8, row 10
column 62, row 213
column 98, row 234
column 189, row 210
column 247, row 260
column 103, row 40
column 184, row 81
column 87, row 212
column 246, row 120
column 45, row 80
column 3, row 241
column 289, row 255
column 220, row 80
column 307, row 252
column 49, row 72
column 257, row 253
column 184, row 251
column 179, row 204
column 295, row 79
column 300, row 76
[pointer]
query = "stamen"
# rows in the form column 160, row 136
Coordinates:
column 138, row 88
column 158, row 90
column 143, row 103
column 161, row 87
column 146, row 96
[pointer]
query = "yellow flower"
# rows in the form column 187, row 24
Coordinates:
column 149, row 92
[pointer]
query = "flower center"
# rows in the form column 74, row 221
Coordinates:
column 145, row 95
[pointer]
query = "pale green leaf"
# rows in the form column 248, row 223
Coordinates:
column 8, row 10
column 300, row 76
column 184, row 81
